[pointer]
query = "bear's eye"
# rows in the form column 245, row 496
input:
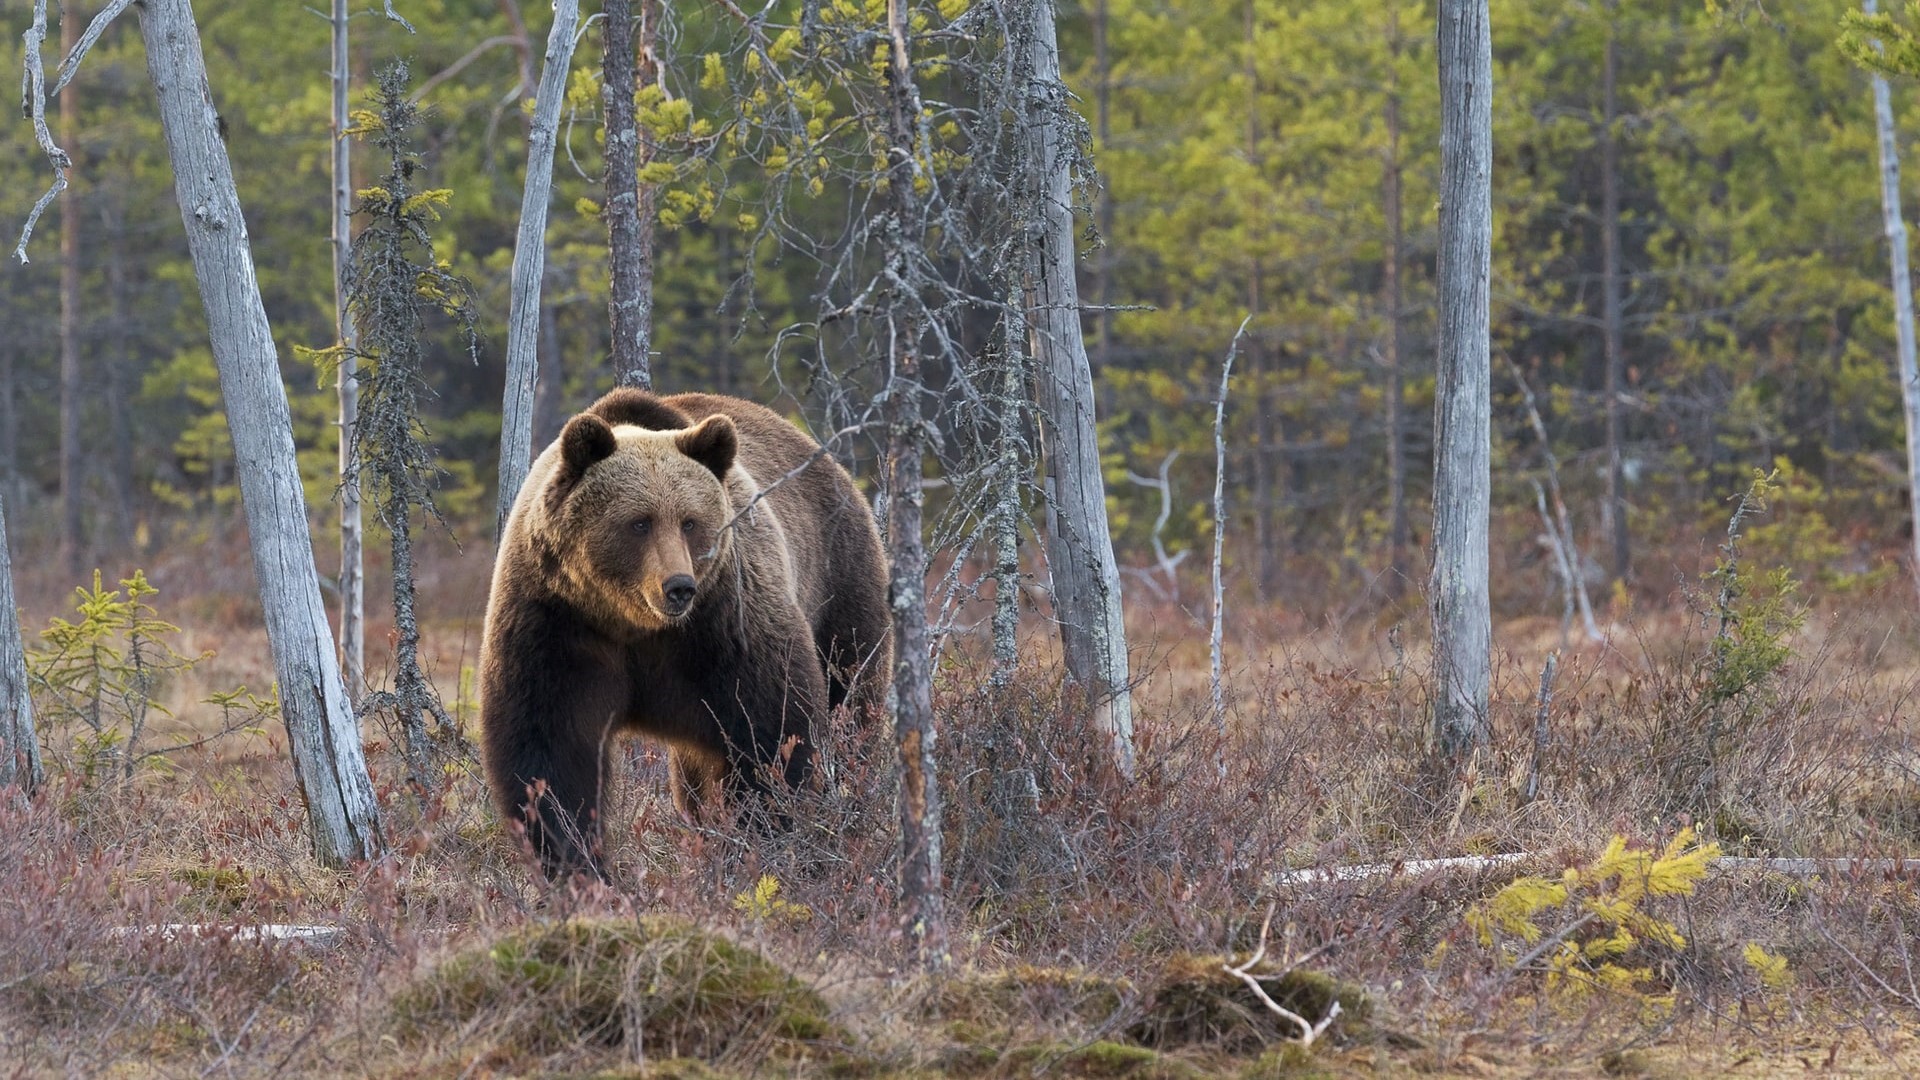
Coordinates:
column 642, row 526
column 689, row 525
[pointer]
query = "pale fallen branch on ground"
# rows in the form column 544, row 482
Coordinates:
column 1467, row 864
column 316, row 935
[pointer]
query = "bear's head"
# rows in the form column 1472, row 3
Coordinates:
column 640, row 517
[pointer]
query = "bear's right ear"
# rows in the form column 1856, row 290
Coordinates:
column 585, row 440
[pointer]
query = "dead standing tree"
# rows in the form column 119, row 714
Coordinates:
column 393, row 280
column 329, row 763
column 1086, row 578
column 530, row 261
column 922, row 896
column 353, row 580
column 1462, row 472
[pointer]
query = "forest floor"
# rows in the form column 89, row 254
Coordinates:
column 1092, row 921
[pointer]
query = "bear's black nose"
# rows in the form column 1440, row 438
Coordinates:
column 679, row 591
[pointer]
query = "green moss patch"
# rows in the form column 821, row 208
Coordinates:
column 659, row 985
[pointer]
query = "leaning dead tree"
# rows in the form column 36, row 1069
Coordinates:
column 530, row 261
column 1462, row 453
column 321, row 731
column 394, row 279
column 19, row 745
column 1086, row 578
column 1896, row 230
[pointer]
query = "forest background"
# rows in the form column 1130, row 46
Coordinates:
column 1252, row 155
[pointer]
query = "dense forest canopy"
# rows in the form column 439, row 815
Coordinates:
column 1243, row 150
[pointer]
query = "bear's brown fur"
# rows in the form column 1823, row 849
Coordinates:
column 692, row 568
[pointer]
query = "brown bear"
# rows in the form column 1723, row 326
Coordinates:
column 692, row 568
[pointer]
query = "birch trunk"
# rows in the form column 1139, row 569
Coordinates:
column 922, row 895
column 1462, row 483
column 1086, row 580
column 321, row 731
column 19, row 746
column 530, row 260
column 629, row 214
column 353, row 582
column 1610, row 297
column 1896, row 229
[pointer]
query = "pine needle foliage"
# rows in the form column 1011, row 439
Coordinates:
column 1882, row 43
column 1734, row 683
column 1592, row 929
column 100, row 674
column 395, row 282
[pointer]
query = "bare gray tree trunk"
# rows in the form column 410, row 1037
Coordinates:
column 73, row 555
column 629, row 209
column 1216, row 653
column 530, row 260
column 1399, row 533
column 19, row 746
column 353, row 580
column 1462, row 481
column 1896, row 229
column 321, row 731
column 922, row 894
column 549, row 388
column 1616, row 505
column 1086, row 579
column 1008, row 510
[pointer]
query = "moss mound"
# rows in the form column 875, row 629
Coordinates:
column 1026, row 995
column 1102, row 1059
column 661, row 984
column 1196, row 1001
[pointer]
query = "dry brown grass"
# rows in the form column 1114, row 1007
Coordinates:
column 1088, row 916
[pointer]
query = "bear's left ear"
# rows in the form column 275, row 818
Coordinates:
column 713, row 443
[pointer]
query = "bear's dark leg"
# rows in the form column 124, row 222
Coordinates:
column 854, row 628
column 767, row 717
column 548, row 706
column 856, row 651
column 554, row 787
column 694, row 776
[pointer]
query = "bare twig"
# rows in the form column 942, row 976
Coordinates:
column 426, row 86
column 1244, row 972
column 1576, row 580
column 394, row 16
column 1167, row 565
column 33, row 99
column 94, row 29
